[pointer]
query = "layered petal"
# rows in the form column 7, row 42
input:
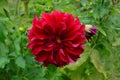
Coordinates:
column 56, row 38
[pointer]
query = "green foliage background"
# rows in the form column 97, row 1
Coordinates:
column 100, row 61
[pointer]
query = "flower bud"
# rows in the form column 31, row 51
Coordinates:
column 90, row 31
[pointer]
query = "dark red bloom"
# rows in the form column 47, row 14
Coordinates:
column 90, row 31
column 56, row 38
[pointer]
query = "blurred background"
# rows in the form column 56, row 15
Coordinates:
column 100, row 61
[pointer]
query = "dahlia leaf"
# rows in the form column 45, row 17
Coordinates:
column 84, row 2
column 17, row 46
column 38, row 78
column 95, row 59
column 3, row 4
column 3, row 49
column 83, row 58
column 20, row 62
column 102, row 31
column 3, row 32
column 53, row 73
column 3, row 61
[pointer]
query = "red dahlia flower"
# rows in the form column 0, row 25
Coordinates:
column 56, row 38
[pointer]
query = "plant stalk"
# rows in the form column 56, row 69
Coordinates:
column 26, row 6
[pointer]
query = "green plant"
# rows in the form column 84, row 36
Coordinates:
column 100, row 61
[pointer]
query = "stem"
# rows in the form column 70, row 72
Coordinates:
column 18, row 70
column 6, row 13
column 97, row 37
column 102, row 2
column 115, row 2
column 26, row 6
column 17, row 7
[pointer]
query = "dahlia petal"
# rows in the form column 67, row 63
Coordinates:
column 68, row 19
column 79, row 40
column 49, row 20
column 73, row 28
column 70, row 44
column 46, row 63
column 35, row 42
column 42, row 56
column 35, row 17
column 30, row 34
column 82, row 29
column 36, row 22
column 75, row 45
column 77, row 21
column 73, row 57
column 74, row 51
column 56, row 15
column 38, row 48
column 61, row 27
column 30, row 45
column 48, row 48
column 40, row 33
column 62, row 55
column 70, row 37
column 59, row 59
column 49, row 60
column 72, row 33
column 70, row 59
column 56, row 58
column 48, row 30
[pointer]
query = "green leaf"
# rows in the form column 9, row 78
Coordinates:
column 83, row 58
column 17, row 46
column 42, row 72
column 3, row 61
column 52, row 68
column 3, row 32
column 3, row 49
column 16, row 77
column 95, row 59
column 13, row 54
column 84, row 2
column 102, row 31
column 39, row 78
column 20, row 62
column 116, row 43
column 52, row 72
column 6, row 13
column 3, row 4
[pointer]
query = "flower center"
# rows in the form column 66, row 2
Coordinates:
column 58, row 40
